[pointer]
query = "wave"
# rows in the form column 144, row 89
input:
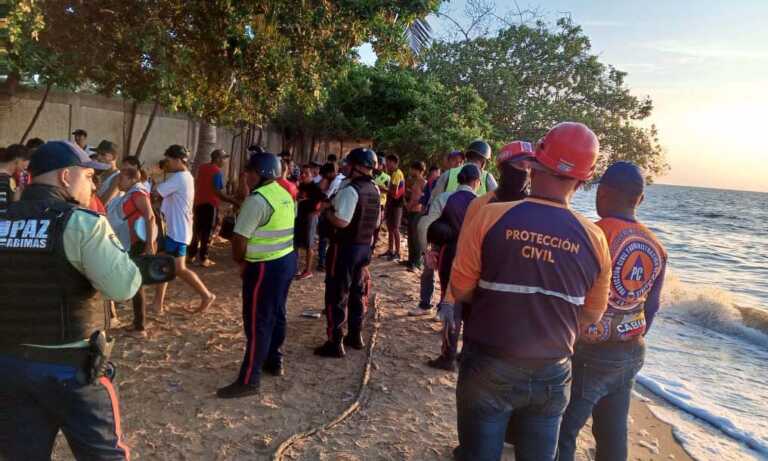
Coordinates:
column 671, row 393
column 714, row 309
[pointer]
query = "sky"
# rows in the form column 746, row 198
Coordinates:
column 704, row 64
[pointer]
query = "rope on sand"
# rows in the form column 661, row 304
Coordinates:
column 352, row 408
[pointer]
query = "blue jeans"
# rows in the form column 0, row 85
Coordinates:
column 603, row 376
column 490, row 389
column 427, row 287
column 37, row 399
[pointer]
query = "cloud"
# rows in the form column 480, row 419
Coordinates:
column 699, row 51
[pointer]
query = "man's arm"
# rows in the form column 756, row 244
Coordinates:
column 254, row 213
column 111, row 191
column 596, row 300
column 239, row 245
column 95, row 251
column 435, row 210
column 343, row 209
column 490, row 183
column 654, row 298
column 465, row 272
column 439, row 188
column 218, row 187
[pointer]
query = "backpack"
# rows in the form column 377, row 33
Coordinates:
column 120, row 221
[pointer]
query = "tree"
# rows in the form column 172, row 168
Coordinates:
column 533, row 76
column 402, row 111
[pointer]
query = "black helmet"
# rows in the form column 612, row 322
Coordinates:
column 480, row 148
column 265, row 164
column 362, row 156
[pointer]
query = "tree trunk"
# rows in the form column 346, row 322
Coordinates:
column 128, row 137
column 206, row 142
column 145, row 134
column 37, row 113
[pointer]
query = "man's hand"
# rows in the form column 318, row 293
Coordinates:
column 431, row 259
column 445, row 313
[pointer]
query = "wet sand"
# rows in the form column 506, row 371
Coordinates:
column 167, row 383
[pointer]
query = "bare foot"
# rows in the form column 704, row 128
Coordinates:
column 159, row 309
column 205, row 303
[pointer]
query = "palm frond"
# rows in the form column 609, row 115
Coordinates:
column 419, row 35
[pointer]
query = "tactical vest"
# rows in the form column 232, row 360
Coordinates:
column 365, row 220
column 453, row 180
column 274, row 239
column 44, row 300
column 6, row 193
column 637, row 259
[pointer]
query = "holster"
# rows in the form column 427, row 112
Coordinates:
column 100, row 352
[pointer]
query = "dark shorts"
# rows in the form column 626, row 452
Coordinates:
column 394, row 216
column 305, row 231
column 173, row 248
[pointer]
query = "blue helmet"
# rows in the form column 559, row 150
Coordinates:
column 265, row 164
column 362, row 156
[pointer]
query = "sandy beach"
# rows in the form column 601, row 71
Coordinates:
column 167, row 383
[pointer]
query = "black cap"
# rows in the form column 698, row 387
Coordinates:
column 55, row 155
column 80, row 132
column 255, row 149
column 468, row 172
column 177, row 151
column 106, row 147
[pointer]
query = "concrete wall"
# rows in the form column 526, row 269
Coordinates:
column 109, row 118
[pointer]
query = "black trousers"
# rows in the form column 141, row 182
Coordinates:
column 203, row 223
column 346, row 288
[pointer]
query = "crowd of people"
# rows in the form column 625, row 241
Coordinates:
column 550, row 309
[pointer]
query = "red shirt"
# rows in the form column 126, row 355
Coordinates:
column 208, row 181
column 96, row 205
column 289, row 186
column 132, row 212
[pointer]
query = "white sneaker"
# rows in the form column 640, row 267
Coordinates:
column 419, row 312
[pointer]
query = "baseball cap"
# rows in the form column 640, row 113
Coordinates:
column 55, row 155
column 79, row 132
column 624, row 176
column 177, row 151
column 515, row 151
column 219, row 154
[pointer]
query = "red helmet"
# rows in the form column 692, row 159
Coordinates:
column 569, row 149
column 515, row 151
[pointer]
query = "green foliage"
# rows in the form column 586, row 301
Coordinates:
column 535, row 76
column 402, row 111
column 220, row 60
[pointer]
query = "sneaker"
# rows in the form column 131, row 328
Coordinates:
column 237, row 390
column 304, row 275
column 355, row 341
column 420, row 311
column 331, row 349
column 386, row 254
column 443, row 363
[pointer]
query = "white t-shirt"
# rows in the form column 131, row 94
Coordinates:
column 178, row 192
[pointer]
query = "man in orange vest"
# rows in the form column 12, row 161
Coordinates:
column 534, row 272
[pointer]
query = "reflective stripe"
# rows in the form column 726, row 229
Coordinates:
column 274, row 233
column 255, row 248
column 526, row 290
